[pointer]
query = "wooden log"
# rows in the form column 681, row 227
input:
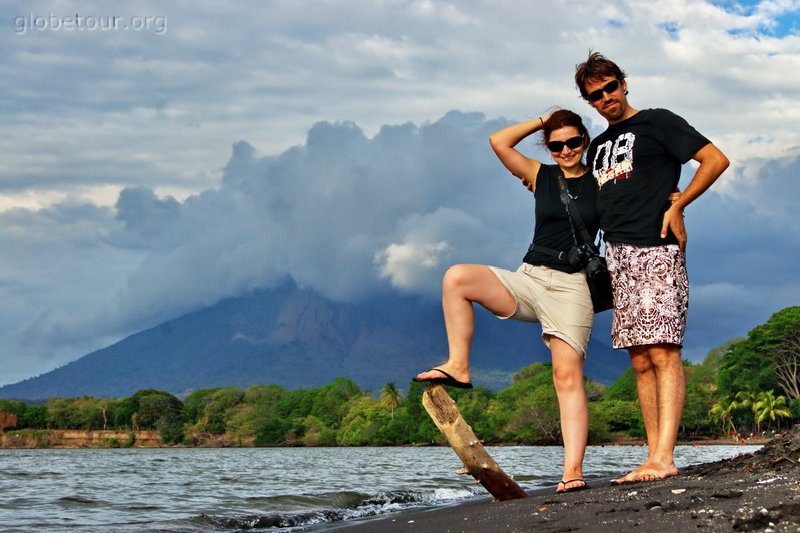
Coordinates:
column 477, row 462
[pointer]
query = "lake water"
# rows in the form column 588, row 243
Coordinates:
column 272, row 489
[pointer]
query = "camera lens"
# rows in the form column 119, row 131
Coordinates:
column 577, row 256
column 595, row 267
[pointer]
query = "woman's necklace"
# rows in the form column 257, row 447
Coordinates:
column 580, row 189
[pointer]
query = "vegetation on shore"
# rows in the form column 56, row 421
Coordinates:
column 744, row 387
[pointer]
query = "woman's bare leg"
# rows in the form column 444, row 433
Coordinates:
column 572, row 406
column 462, row 285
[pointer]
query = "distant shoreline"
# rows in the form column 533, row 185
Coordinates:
column 71, row 438
column 75, row 438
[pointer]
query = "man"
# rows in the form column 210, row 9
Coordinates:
column 637, row 163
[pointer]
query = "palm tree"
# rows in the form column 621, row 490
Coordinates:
column 723, row 411
column 772, row 408
column 391, row 397
column 748, row 399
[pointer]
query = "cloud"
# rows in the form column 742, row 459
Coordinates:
column 430, row 244
column 144, row 215
column 741, row 251
column 123, row 204
column 409, row 265
column 349, row 216
column 769, row 188
column 159, row 109
column 58, row 270
column 321, row 213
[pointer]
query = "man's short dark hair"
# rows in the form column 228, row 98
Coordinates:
column 596, row 67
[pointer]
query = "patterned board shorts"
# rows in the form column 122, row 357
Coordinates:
column 651, row 294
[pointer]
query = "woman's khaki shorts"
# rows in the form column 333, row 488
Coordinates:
column 559, row 301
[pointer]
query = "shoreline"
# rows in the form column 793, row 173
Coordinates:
column 73, row 438
column 749, row 492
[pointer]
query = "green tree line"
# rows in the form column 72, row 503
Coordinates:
column 748, row 385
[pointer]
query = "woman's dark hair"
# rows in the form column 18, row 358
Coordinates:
column 560, row 119
column 596, row 67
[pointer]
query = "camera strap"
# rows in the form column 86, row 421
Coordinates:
column 575, row 220
column 558, row 254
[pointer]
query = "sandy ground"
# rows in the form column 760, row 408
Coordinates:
column 752, row 492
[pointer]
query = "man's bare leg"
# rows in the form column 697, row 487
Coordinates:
column 671, row 395
column 573, row 409
column 462, row 285
column 647, row 392
column 662, row 410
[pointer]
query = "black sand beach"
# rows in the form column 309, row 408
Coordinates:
column 752, row 492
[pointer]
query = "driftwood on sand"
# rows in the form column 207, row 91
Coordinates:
column 477, row 461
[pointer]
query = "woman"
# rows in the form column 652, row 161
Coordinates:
column 544, row 289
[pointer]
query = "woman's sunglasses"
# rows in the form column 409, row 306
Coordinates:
column 609, row 88
column 572, row 143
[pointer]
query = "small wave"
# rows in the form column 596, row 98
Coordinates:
column 271, row 520
column 143, row 507
column 332, row 507
column 302, row 502
column 79, row 500
column 33, row 475
column 17, row 503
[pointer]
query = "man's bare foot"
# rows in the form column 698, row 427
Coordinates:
column 649, row 471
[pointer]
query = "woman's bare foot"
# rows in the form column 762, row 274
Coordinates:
column 571, row 485
column 446, row 374
column 461, row 374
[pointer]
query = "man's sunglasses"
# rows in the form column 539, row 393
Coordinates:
column 572, row 143
column 609, row 88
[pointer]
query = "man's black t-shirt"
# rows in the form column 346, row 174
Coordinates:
column 637, row 165
column 552, row 228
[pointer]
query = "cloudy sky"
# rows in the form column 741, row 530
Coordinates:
column 157, row 159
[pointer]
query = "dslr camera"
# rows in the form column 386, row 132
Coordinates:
column 587, row 257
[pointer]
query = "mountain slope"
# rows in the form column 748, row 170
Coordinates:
column 296, row 338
